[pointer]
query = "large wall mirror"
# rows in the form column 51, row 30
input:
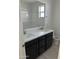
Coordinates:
column 32, row 13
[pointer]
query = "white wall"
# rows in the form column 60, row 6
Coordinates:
column 53, row 16
column 56, row 18
column 21, row 49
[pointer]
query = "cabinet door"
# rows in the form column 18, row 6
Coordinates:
column 41, row 42
column 49, row 40
column 33, row 52
column 41, row 45
column 31, row 49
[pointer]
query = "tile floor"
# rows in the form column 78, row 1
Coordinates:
column 51, row 53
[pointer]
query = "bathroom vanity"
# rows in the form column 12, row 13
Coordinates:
column 37, row 44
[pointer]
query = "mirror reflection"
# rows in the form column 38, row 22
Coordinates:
column 32, row 14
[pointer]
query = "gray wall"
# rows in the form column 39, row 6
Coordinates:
column 53, row 16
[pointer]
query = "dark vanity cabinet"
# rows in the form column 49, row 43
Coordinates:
column 38, row 46
column 31, row 49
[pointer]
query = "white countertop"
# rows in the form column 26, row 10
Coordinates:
column 35, row 34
